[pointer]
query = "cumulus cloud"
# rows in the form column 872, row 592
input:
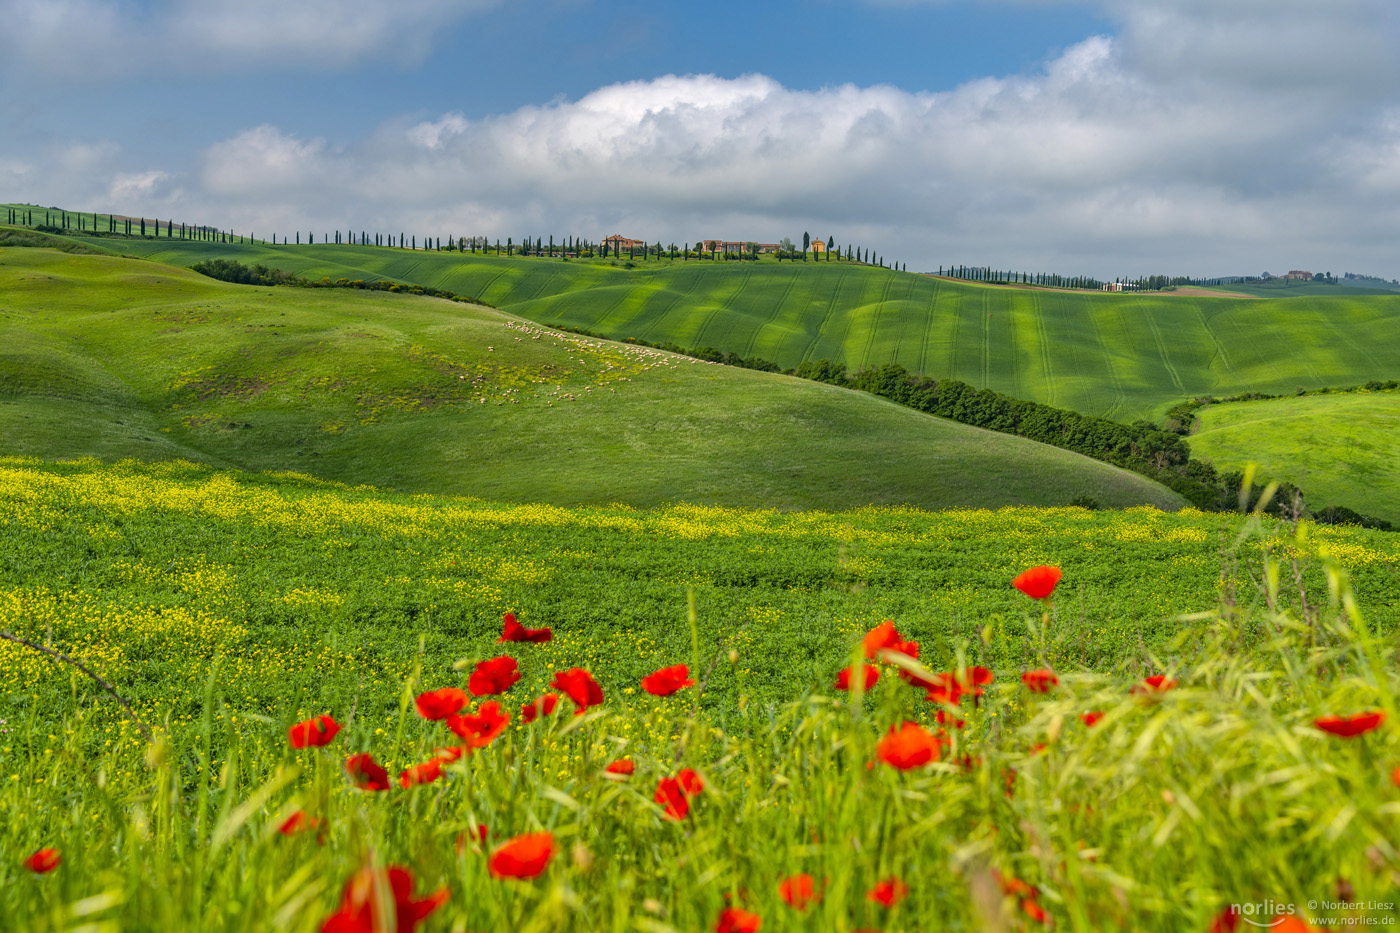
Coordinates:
column 135, row 188
column 1165, row 147
column 1095, row 164
column 101, row 39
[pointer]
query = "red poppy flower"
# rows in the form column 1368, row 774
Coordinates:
column 1031, row 908
column 523, row 857
column 1350, row 726
column 45, row 860
column 917, row 679
column 1027, row 895
column 514, row 631
column 366, row 773
column 973, row 679
column 942, row 718
column 317, row 732
column 1040, row 681
column 888, row 892
column 690, row 782
column 734, row 920
column 298, row 822
column 449, row 755
column 908, row 746
column 673, row 801
column 1157, row 683
column 481, row 729
column 360, row 909
column 439, row 704
column 623, row 767
column 799, row 891
column 1227, row 921
column 578, row 685
column 1091, row 719
column 869, row 676
column 943, row 688
column 879, row 638
column 1038, row 582
column 478, row 837
column 667, row 681
column 1292, row 923
column 885, row 637
column 543, row 706
column 425, row 773
column 1395, row 776
column 494, row 676
column 674, row 794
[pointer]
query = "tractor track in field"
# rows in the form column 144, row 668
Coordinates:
column 539, row 292
column 1316, row 311
column 777, row 309
column 875, row 324
column 1120, row 397
column 986, row 345
column 1219, row 350
column 821, row 328
column 491, row 282
column 929, row 319
column 723, row 306
column 1046, row 357
column 665, row 313
column 1163, row 353
column 899, row 331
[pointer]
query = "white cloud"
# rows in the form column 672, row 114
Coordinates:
column 135, row 188
column 1094, row 165
column 1168, row 147
column 264, row 160
column 101, row 39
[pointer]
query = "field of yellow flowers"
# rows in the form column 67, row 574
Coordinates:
column 352, row 711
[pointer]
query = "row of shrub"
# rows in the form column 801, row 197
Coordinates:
column 230, row 270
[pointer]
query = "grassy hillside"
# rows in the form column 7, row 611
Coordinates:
column 1125, row 356
column 114, row 357
column 1342, row 449
column 1292, row 288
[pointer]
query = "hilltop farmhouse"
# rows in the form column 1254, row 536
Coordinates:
column 618, row 242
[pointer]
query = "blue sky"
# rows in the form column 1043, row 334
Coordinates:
column 1114, row 137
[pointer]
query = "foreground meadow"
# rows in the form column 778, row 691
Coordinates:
column 1200, row 714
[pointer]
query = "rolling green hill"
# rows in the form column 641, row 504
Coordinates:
column 114, row 357
column 1292, row 288
column 1124, row 356
column 1343, row 449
